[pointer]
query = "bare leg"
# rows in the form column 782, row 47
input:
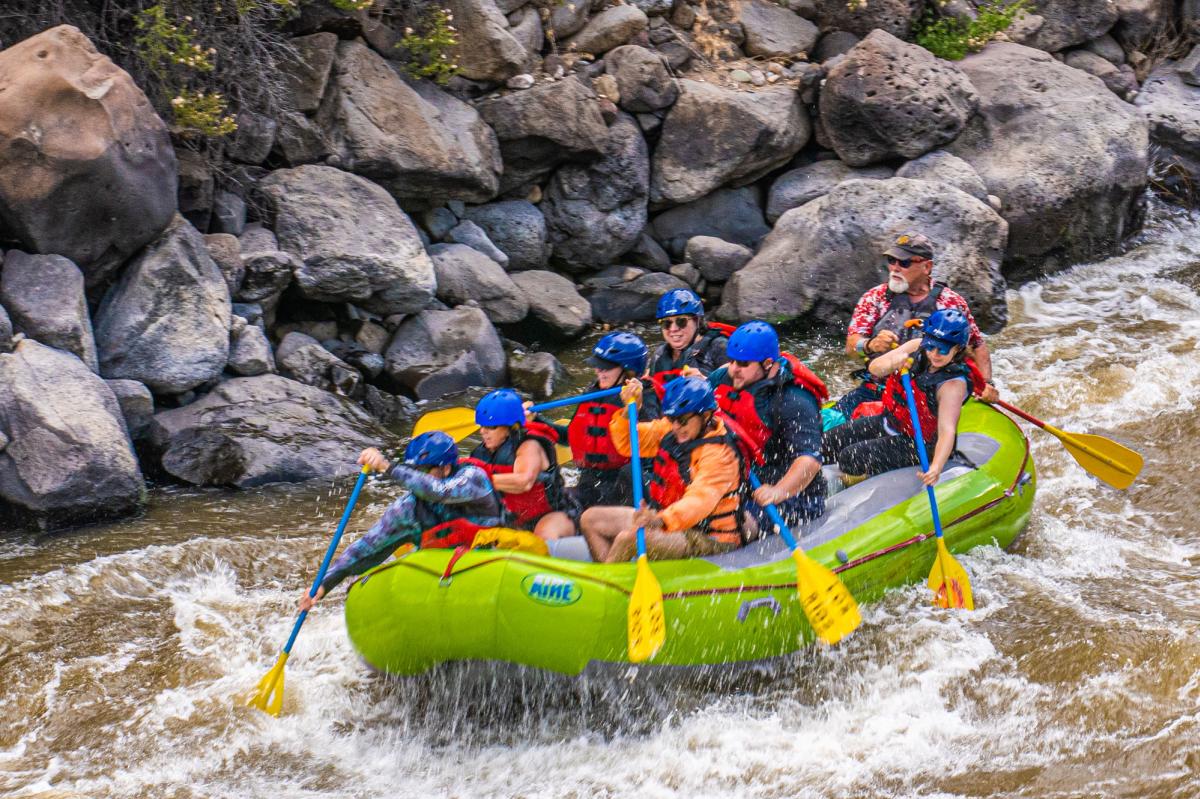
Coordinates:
column 659, row 546
column 601, row 525
column 554, row 525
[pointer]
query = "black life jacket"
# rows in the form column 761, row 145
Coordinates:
column 700, row 354
column 548, row 492
column 925, row 386
column 902, row 309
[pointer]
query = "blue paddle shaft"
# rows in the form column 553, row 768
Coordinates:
column 773, row 512
column 341, row 528
column 565, row 401
column 635, row 464
column 919, row 440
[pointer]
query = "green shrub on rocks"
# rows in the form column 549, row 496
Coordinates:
column 427, row 47
column 952, row 38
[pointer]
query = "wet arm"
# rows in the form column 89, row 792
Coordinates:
column 529, row 463
column 465, row 485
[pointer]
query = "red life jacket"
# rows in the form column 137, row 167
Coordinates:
column 591, row 445
column 714, row 330
column 671, row 473
column 742, row 416
column 924, row 385
column 548, row 492
column 451, row 534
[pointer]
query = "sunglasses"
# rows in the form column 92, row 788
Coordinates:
column 680, row 421
column 745, row 364
column 903, row 263
column 941, row 347
column 678, row 322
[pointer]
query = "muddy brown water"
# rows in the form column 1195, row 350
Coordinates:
column 122, row 647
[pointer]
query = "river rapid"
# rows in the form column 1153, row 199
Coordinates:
column 123, row 647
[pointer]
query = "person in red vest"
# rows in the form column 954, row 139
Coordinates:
column 772, row 402
column 693, row 485
column 518, row 454
column 883, row 317
column 688, row 340
column 941, row 381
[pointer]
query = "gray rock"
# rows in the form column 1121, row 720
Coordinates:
column 267, row 274
column 68, row 458
column 891, row 99
column 805, row 184
column 353, row 241
column 542, row 127
column 250, row 431
column 643, row 80
column 568, row 17
column 555, row 306
column 1122, row 84
column 303, row 359
column 438, row 222
column 197, row 183
column 687, row 273
column 595, row 213
column 615, row 275
column 473, row 236
column 654, row 8
column 228, row 213
column 518, row 230
column 136, row 404
column 486, row 49
column 1066, row 23
column 896, row 17
column 1172, row 109
column 251, row 143
column 372, row 337
column 715, row 258
column 940, row 166
column 250, row 352
column 834, row 43
column 731, row 214
column 226, row 252
column 1189, row 68
column 714, row 136
column 647, row 254
column 435, row 353
column 166, row 321
column 822, row 256
column 44, row 298
column 251, row 313
column 1066, row 157
column 635, row 301
column 1107, row 48
column 610, row 28
column 6, row 332
column 465, row 275
column 307, row 74
column 390, row 409
column 299, row 140
column 536, row 373
column 773, row 31
column 1140, row 21
column 525, row 25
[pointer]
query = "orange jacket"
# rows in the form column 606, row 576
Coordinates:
column 715, row 471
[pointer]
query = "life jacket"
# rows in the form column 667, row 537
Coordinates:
column 460, row 532
column 548, row 492
column 671, row 473
column 696, row 356
column 741, row 415
column 902, row 309
column 925, row 385
column 587, row 434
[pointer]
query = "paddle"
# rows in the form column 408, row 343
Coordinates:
column 826, row 601
column 647, row 628
column 947, row 580
column 1106, row 459
column 268, row 695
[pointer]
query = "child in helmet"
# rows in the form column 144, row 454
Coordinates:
column 441, row 489
column 687, row 339
column 693, row 485
column 941, row 384
column 518, row 454
column 604, row 475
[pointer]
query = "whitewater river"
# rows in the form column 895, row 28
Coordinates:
column 123, row 647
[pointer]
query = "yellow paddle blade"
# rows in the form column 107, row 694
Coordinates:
column 564, row 452
column 948, row 581
column 268, row 695
column 458, row 423
column 831, row 610
column 1106, row 459
column 647, row 628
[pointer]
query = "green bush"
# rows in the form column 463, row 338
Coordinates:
column 953, row 38
column 427, row 48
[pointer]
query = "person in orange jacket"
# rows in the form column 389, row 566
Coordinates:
column 694, row 487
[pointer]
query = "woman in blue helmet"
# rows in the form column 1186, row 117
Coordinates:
column 441, row 490
column 941, row 382
column 604, row 474
column 518, row 454
column 687, row 339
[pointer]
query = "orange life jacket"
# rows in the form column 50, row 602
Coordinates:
column 671, row 473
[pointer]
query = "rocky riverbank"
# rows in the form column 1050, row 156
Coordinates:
column 261, row 313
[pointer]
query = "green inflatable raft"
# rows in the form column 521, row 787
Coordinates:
column 556, row 613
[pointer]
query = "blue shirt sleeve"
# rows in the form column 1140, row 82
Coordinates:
column 801, row 429
column 465, row 485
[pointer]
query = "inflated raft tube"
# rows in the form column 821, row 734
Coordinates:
column 437, row 605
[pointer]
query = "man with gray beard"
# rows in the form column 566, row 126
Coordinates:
column 881, row 318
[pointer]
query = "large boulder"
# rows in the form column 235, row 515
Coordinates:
column 806, row 183
column 1066, row 23
column 354, row 243
column 517, row 228
column 594, row 213
column 266, row 429
column 465, row 276
column 714, row 136
column 415, row 140
column 542, row 127
column 87, row 170
column 307, row 72
column 44, row 296
column 942, row 167
column 897, row 17
column 136, row 404
column 66, row 456
column 486, row 50
column 1172, row 108
column 731, row 214
column 556, row 309
column 889, row 99
column 435, row 353
column 716, row 259
column 6, row 331
column 1141, row 20
column 822, row 256
column 611, row 27
column 1066, row 157
column 643, row 80
column 773, row 31
column 166, row 321
column 302, row 358
column 635, row 301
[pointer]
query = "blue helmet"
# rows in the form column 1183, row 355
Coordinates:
column 619, row 349
column 678, row 302
column 501, row 408
column 753, row 341
column 434, row 448
column 688, row 395
column 948, row 325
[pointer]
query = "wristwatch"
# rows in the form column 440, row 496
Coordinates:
column 861, row 346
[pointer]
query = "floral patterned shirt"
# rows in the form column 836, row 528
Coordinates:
column 874, row 304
